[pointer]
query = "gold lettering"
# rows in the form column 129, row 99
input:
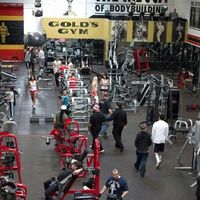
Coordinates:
column 65, row 24
column 53, row 24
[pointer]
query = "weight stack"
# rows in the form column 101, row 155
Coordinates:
column 173, row 104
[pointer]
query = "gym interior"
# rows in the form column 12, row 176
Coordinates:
column 150, row 51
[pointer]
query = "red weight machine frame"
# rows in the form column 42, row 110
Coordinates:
column 90, row 159
column 21, row 190
column 139, row 65
column 60, row 135
column 14, row 151
column 71, row 150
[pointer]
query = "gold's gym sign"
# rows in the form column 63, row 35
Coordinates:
column 74, row 28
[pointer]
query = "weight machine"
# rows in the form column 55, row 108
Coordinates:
column 10, row 163
column 92, row 193
column 123, row 94
column 193, row 138
column 78, row 92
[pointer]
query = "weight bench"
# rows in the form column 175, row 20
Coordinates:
column 182, row 121
column 36, row 118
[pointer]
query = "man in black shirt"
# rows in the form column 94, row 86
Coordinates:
column 51, row 186
column 142, row 143
column 106, row 109
column 95, row 123
column 119, row 118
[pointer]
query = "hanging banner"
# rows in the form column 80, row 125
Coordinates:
column 11, row 32
column 117, row 7
column 178, row 32
column 76, row 28
column 140, row 31
column 160, row 31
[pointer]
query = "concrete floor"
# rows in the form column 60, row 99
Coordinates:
column 40, row 162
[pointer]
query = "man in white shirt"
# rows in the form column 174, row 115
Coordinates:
column 160, row 131
column 56, row 65
column 10, row 97
column 41, row 58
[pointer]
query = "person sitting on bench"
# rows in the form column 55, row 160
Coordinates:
column 67, row 177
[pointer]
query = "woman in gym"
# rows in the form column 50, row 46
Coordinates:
column 104, row 83
column 33, row 86
column 94, row 88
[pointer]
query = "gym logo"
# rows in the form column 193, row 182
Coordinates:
column 3, row 32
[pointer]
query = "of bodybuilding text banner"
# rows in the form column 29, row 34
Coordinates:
column 76, row 28
column 119, row 7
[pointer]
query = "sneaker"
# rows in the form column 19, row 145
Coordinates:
column 102, row 151
column 142, row 175
column 158, row 164
column 136, row 167
column 33, row 106
column 122, row 149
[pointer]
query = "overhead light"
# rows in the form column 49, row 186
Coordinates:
column 163, row 9
column 141, row 16
column 130, row 15
column 38, row 3
column 151, row 16
column 107, row 14
column 38, row 13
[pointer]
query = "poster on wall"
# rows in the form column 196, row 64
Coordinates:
column 119, row 29
column 195, row 15
column 140, row 30
column 11, row 32
column 160, row 30
column 178, row 34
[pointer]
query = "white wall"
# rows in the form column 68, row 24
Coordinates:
column 83, row 8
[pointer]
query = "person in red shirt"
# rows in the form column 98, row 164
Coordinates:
column 63, row 66
column 73, row 81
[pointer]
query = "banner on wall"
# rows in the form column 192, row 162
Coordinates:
column 140, row 31
column 11, row 32
column 119, row 28
column 76, row 28
column 117, row 7
column 195, row 15
column 178, row 31
column 160, row 31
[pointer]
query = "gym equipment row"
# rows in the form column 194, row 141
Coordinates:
column 10, row 166
column 71, row 145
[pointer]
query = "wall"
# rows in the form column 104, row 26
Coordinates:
column 56, row 8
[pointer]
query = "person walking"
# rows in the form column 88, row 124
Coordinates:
column 10, row 97
column 41, row 58
column 119, row 118
column 32, row 61
column 106, row 109
column 160, row 131
column 33, row 85
column 142, row 143
column 116, row 185
column 56, row 65
column 27, row 59
column 95, row 123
